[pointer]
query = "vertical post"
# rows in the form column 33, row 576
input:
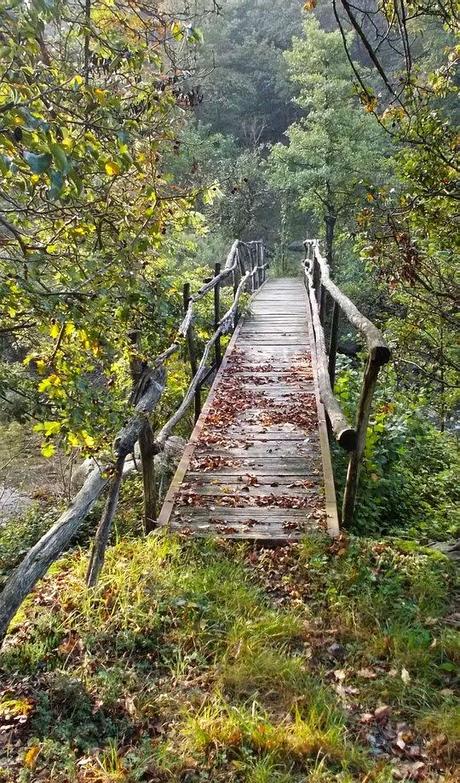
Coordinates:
column 192, row 350
column 322, row 304
column 147, row 447
column 333, row 342
column 362, row 420
column 101, row 538
column 252, row 279
column 260, row 264
column 235, row 288
column 316, row 279
column 218, row 349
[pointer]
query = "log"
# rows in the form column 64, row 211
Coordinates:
column 51, row 545
column 378, row 349
column 127, row 437
column 343, row 432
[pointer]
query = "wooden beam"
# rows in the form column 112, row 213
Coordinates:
column 343, row 432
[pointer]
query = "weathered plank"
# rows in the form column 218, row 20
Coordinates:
column 255, row 465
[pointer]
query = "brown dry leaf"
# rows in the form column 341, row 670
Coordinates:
column 383, row 712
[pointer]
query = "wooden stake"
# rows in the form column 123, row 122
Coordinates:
column 218, row 348
column 192, row 350
column 362, row 420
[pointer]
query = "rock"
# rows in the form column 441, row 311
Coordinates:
column 337, row 651
column 81, row 472
column 449, row 548
column 12, row 503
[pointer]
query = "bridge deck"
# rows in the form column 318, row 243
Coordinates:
column 257, row 465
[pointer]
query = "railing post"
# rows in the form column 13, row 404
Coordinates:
column 316, row 280
column 192, row 350
column 362, row 421
column 236, row 274
column 322, row 304
column 333, row 342
column 261, row 263
column 252, row 264
column 218, row 349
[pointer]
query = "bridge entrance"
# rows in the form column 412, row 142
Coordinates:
column 258, row 464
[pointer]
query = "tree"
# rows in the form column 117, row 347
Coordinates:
column 408, row 233
column 243, row 77
column 88, row 215
column 334, row 152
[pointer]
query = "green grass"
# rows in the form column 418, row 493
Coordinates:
column 199, row 661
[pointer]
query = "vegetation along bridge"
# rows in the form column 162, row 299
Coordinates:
column 258, row 463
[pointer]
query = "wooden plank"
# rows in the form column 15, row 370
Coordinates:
column 288, row 466
column 225, row 479
column 245, row 492
column 263, row 449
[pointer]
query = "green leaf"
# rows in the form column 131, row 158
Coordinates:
column 59, row 156
column 38, row 163
column 57, row 183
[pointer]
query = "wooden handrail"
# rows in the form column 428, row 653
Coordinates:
column 344, row 433
column 378, row 348
column 318, row 281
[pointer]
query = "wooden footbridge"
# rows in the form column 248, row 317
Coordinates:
column 258, row 463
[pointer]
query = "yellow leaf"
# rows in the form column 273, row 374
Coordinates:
column 100, row 95
column 51, row 427
column 51, row 380
column 69, row 328
column 44, row 385
column 30, row 756
column 48, row 449
column 310, row 5
column 40, row 365
column 72, row 440
column 54, row 331
column 87, row 439
column 112, row 168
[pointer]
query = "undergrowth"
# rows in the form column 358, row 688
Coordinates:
column 205, row 661
column 409, row 479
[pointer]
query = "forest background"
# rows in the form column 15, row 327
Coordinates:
column 137, row 142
